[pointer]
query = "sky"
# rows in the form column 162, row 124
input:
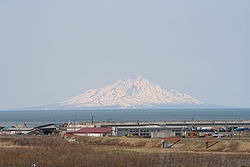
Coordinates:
column 53, row 50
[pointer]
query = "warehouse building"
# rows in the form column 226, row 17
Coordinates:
column 148, row 131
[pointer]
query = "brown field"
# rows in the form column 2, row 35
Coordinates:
column 114, row 152
column 198, row 144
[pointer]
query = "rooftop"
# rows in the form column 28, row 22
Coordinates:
column 94, row 130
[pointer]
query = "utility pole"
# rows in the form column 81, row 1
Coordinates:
column 74, row 125
column 92, row 119
column 192, row 122
column 183, row 128
column 214, row 125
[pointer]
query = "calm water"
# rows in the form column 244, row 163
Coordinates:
column 40, row 117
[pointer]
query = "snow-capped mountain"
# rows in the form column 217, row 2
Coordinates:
column 130, row 93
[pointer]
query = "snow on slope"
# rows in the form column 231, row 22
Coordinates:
column 131, row 93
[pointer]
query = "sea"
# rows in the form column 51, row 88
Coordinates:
column 33, row 118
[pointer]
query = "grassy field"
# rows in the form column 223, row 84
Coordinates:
column 114, row 152
column 188, row 144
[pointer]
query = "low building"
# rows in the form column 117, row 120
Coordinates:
column 97, row 132
column 75, row 127
column 195, row 134
column 163, row 133
column 192, row 134
column 148, row 131
column 15, row 131
column 47, row 129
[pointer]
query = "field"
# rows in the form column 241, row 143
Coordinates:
column 45, row 151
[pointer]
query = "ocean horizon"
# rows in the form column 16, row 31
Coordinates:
column 37, row 117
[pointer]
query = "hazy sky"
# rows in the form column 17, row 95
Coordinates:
column 53, row 50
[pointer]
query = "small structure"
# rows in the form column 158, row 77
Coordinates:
column 47, row 129
column 97, row 132
column 205, row 134
column 212, row 142
column 163, row 133
column 192, row 134
column 166, row 140
column 218, row 135
column 15, row 131
column 74, row 127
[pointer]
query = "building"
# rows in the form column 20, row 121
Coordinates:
column 47, row 129
column 97, row 132
column 75, row 127
column 15, row 131
column 163, row 133
column 148, row 131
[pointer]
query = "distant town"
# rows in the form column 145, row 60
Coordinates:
column 139, row 129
